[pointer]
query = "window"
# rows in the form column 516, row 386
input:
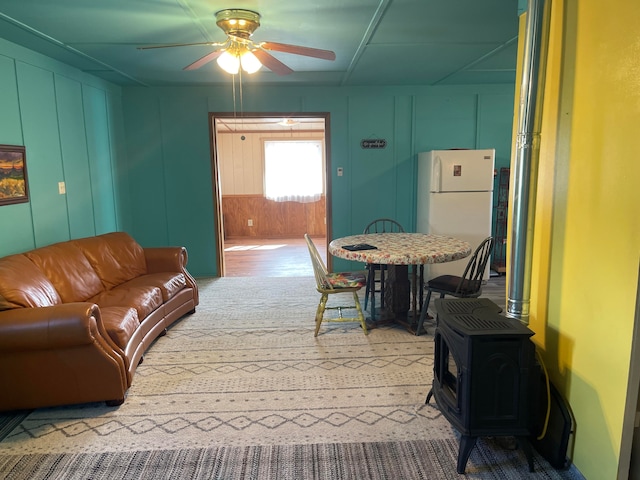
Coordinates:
column 293, row 170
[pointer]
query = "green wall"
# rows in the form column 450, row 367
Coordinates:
column 70, row 124
column 139, row 159
column 168, row 128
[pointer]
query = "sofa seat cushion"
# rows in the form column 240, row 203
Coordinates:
column 120, row 323
column 22, row 284
column 169, row 283
column 116, row 257
column 145, row 299
column 69, row 271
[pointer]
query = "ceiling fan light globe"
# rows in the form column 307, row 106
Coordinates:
column 250, row 62
column 229, row 63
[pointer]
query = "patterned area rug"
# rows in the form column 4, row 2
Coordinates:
column 242, row 389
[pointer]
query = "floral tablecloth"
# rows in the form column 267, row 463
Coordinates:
column 401, row 248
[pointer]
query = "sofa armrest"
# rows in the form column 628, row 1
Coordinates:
column 58, row 355
column 165, row 259
column 46, row 328
column 170, row 259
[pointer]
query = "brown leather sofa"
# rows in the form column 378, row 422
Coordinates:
column 76, row 317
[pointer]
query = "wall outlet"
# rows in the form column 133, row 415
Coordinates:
column 62, row 189
column 250, row 222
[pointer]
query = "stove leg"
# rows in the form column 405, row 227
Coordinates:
column 466, row 445
column 526, row 447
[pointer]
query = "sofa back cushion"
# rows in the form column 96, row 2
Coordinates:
column 116, row 257
column 69, row 271
column 22, row 284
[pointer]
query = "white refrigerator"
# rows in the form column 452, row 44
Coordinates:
column 455, row 198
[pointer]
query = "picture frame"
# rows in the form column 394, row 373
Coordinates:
column 14, row 187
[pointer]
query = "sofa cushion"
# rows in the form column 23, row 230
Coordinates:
column 145, row 299
column 69, row 271
column 169, row 283
column 120, row 323
column 116, row 257
column 22, row 284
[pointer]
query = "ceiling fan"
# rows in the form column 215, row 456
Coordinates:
column 240, row 51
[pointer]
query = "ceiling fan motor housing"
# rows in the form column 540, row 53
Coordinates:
column 239, row 23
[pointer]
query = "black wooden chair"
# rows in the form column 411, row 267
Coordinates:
column 375, row 271
column 469, row 285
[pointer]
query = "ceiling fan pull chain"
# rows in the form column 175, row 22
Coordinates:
column 241, row 100
column 233, row 93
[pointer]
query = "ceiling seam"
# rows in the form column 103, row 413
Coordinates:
column 187, row 8
column 69, row 48
column 478, row 60
column 371, row 28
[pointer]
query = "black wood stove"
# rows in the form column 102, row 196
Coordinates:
column 486, row 378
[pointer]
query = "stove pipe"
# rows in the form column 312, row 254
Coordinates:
column 526, row 161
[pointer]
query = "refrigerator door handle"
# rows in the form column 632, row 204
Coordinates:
column 436, row 175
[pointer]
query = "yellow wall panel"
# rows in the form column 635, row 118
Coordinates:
column 587, row 240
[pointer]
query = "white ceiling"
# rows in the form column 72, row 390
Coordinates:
column 377, row 42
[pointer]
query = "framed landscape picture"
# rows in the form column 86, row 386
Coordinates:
column 13, row 175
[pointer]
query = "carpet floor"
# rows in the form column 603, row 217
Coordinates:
column 243, row 390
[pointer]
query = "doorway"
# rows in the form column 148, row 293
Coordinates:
column 258, row 236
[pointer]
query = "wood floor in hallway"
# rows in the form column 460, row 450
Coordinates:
column 270, row 257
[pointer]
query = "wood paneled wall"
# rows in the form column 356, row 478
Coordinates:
column 272, row 219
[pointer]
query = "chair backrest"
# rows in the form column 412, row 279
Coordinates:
column 471, row 280
column 319, row 268
column 383, row 225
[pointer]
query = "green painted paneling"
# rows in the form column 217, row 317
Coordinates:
column 42, row 98
column 494, row 127
column 119, row 158
column 339, row 201
column 188, row 180
column 75, row 157
column 16, row 231
column 446, row 121
column 405, row 208
column 375, row 183
column 44, row 161
column 100, row 159
column 262, row 99
column 10, row 126
column 495, row 131
column 145, row 167
column 373, row 171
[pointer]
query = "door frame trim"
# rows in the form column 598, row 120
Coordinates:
column 215, row 173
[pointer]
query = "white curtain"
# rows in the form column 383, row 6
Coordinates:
column 293, row 170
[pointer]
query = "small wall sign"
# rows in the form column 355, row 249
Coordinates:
column 373, row 143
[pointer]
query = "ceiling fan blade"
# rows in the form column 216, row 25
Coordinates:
column 209, row 57
column 298, row 50
column 271, row 62
column 170, row 45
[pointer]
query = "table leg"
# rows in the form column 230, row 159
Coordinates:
column 398, row 291
column 401, row 294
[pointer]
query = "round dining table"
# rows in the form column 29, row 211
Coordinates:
column 399, row 251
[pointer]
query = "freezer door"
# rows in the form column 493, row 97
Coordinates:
column 462, row 170
column 466, row 216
